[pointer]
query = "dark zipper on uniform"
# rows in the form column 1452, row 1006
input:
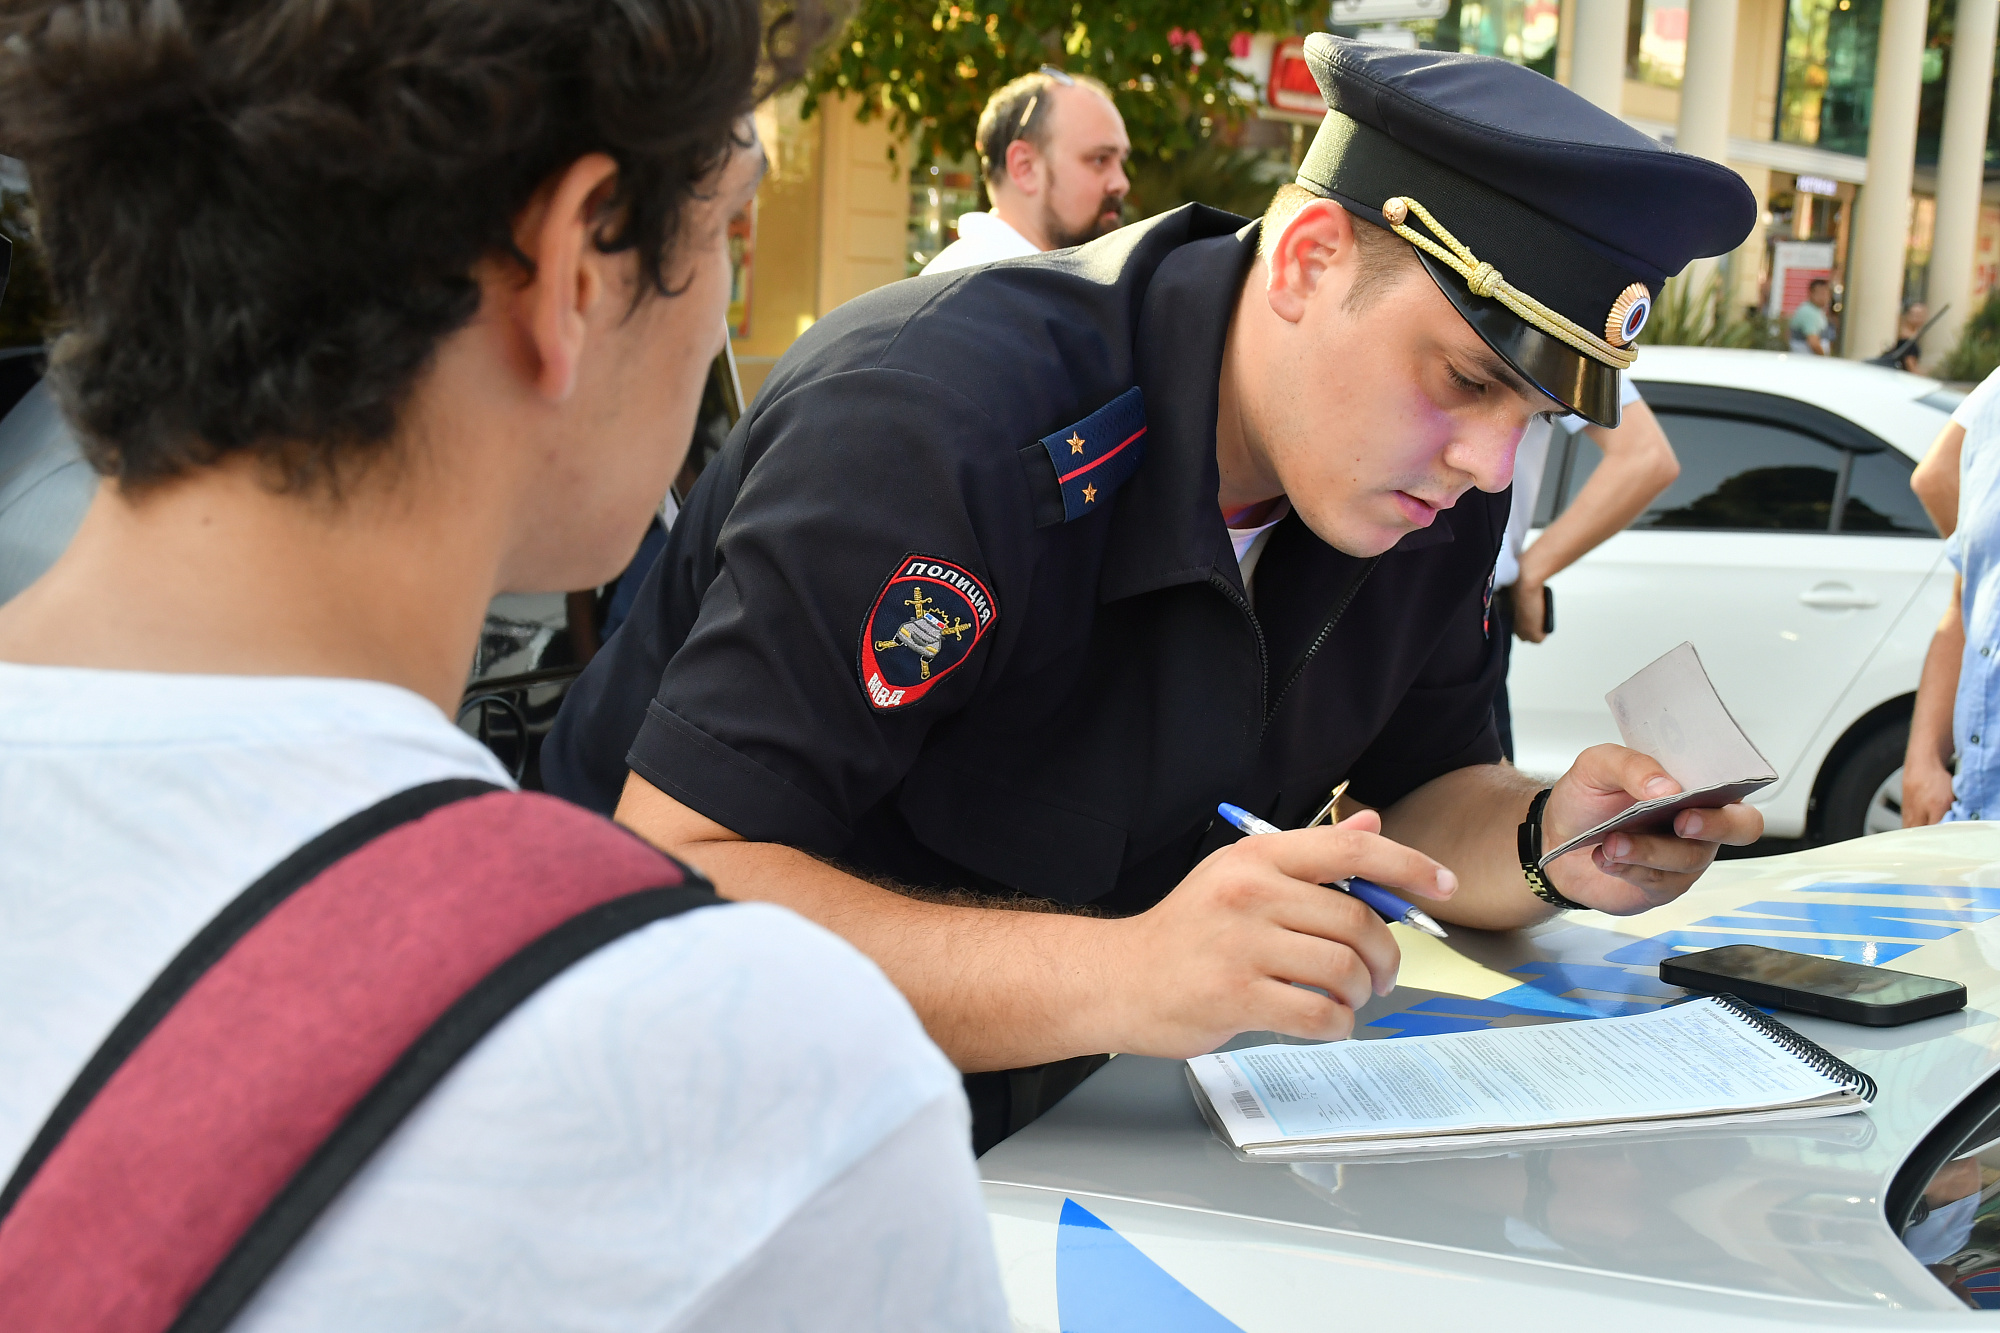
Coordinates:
column 1319, row 640
column 1228, row 590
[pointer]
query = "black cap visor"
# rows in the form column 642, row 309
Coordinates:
column 1585, row 386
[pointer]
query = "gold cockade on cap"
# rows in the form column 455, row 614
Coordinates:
column 1628, row 315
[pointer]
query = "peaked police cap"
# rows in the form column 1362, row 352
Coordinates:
column 1549, row 223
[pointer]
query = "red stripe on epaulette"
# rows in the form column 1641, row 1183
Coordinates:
column 242, row 1082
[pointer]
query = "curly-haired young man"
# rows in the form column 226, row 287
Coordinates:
column 373, row 311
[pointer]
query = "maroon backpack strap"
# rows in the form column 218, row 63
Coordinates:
column 290, row 1037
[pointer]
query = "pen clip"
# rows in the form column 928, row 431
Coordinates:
column 1327, row 812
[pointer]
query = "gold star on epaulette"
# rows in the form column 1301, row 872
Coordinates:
column 1075, row 443
column 1089, row 494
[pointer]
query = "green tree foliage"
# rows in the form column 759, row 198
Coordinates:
column 930, row 65
column 1978, row 349
column 1684, row 317
column 1213, row 173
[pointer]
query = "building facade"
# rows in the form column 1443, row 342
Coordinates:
column 1863, row 126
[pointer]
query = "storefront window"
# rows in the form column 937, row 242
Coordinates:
column 1523, row 31
column 1936, row 76
column 1656, row 42
column 1828, row 79
column 1827, row 83
column 939, row 194
column 1805, row 239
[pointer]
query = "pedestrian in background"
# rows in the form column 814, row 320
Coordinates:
column 1957, row 483
column 1812, row 331
column 1907, row 329
column 1052, row 148
column 1639, row 465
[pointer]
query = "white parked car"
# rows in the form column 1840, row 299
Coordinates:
column 1790, row 552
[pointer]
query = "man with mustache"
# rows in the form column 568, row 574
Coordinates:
column 1052, row 149
column 1009, row 576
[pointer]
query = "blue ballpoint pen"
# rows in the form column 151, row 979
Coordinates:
column 1386, row 904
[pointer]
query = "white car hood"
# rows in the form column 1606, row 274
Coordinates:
column 1121, row 1194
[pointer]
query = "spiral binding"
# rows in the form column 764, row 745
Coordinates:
column 1815, row 1056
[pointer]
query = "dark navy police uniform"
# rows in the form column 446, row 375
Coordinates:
column 955, row 605
column 1074, row 745
column 1113, row 682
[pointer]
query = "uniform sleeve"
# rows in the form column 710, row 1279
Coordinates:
column 1445, row 720
column 863, row 578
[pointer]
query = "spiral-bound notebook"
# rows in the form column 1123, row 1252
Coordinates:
column 1709, row 1061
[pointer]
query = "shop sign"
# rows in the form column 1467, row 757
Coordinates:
column 1818, row 185
column 1346, row 12
column 1291, row 87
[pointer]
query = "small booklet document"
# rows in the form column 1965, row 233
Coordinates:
column 1670, row 710
column 1710, row 1061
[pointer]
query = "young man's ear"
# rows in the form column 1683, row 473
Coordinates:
column 1316, row 247
column 570, row 276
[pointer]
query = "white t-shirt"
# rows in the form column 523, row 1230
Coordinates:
column 982, row 238
column 1531, row 459
column 1249, row 544
column 728, row 1119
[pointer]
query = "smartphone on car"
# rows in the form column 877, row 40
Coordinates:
column 1807, row 984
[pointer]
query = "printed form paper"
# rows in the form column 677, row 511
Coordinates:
column 1686, row 1060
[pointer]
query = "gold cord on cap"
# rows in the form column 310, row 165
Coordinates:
column 1485, row 280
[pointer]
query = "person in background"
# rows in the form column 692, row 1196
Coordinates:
column 1958, row 484
column 1812, row 331
column 1052, row 148
column 1911, row 324
column 1639, row 464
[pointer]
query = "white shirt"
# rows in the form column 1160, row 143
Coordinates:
column 727, row 1119
column 982, row 238
column 1249, row 544
column 1531, row 459
column 1982, row 393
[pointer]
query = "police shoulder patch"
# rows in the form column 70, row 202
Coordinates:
column 1098, row 454
column 925, row 622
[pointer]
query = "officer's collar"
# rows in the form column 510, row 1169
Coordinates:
column 1167, row 528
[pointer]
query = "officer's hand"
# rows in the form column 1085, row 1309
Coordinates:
column 1529, row 612
column 1219, row 955
column 1632, row 872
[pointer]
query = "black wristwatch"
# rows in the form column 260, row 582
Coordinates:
column 1530, row 843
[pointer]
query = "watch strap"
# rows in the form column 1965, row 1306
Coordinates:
column 1529, row 842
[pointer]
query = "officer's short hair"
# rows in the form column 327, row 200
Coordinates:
column 1384, row 256
column 1022, row 110
column 262, row 219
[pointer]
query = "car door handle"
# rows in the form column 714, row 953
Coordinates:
column 1838, row 597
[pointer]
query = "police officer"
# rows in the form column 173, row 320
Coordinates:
column 974, row 613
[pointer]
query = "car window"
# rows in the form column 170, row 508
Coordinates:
column 1555, row 474
column 1943, row 399
column 1735, row 476
column 1945, row 1200
column 1879, row 498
